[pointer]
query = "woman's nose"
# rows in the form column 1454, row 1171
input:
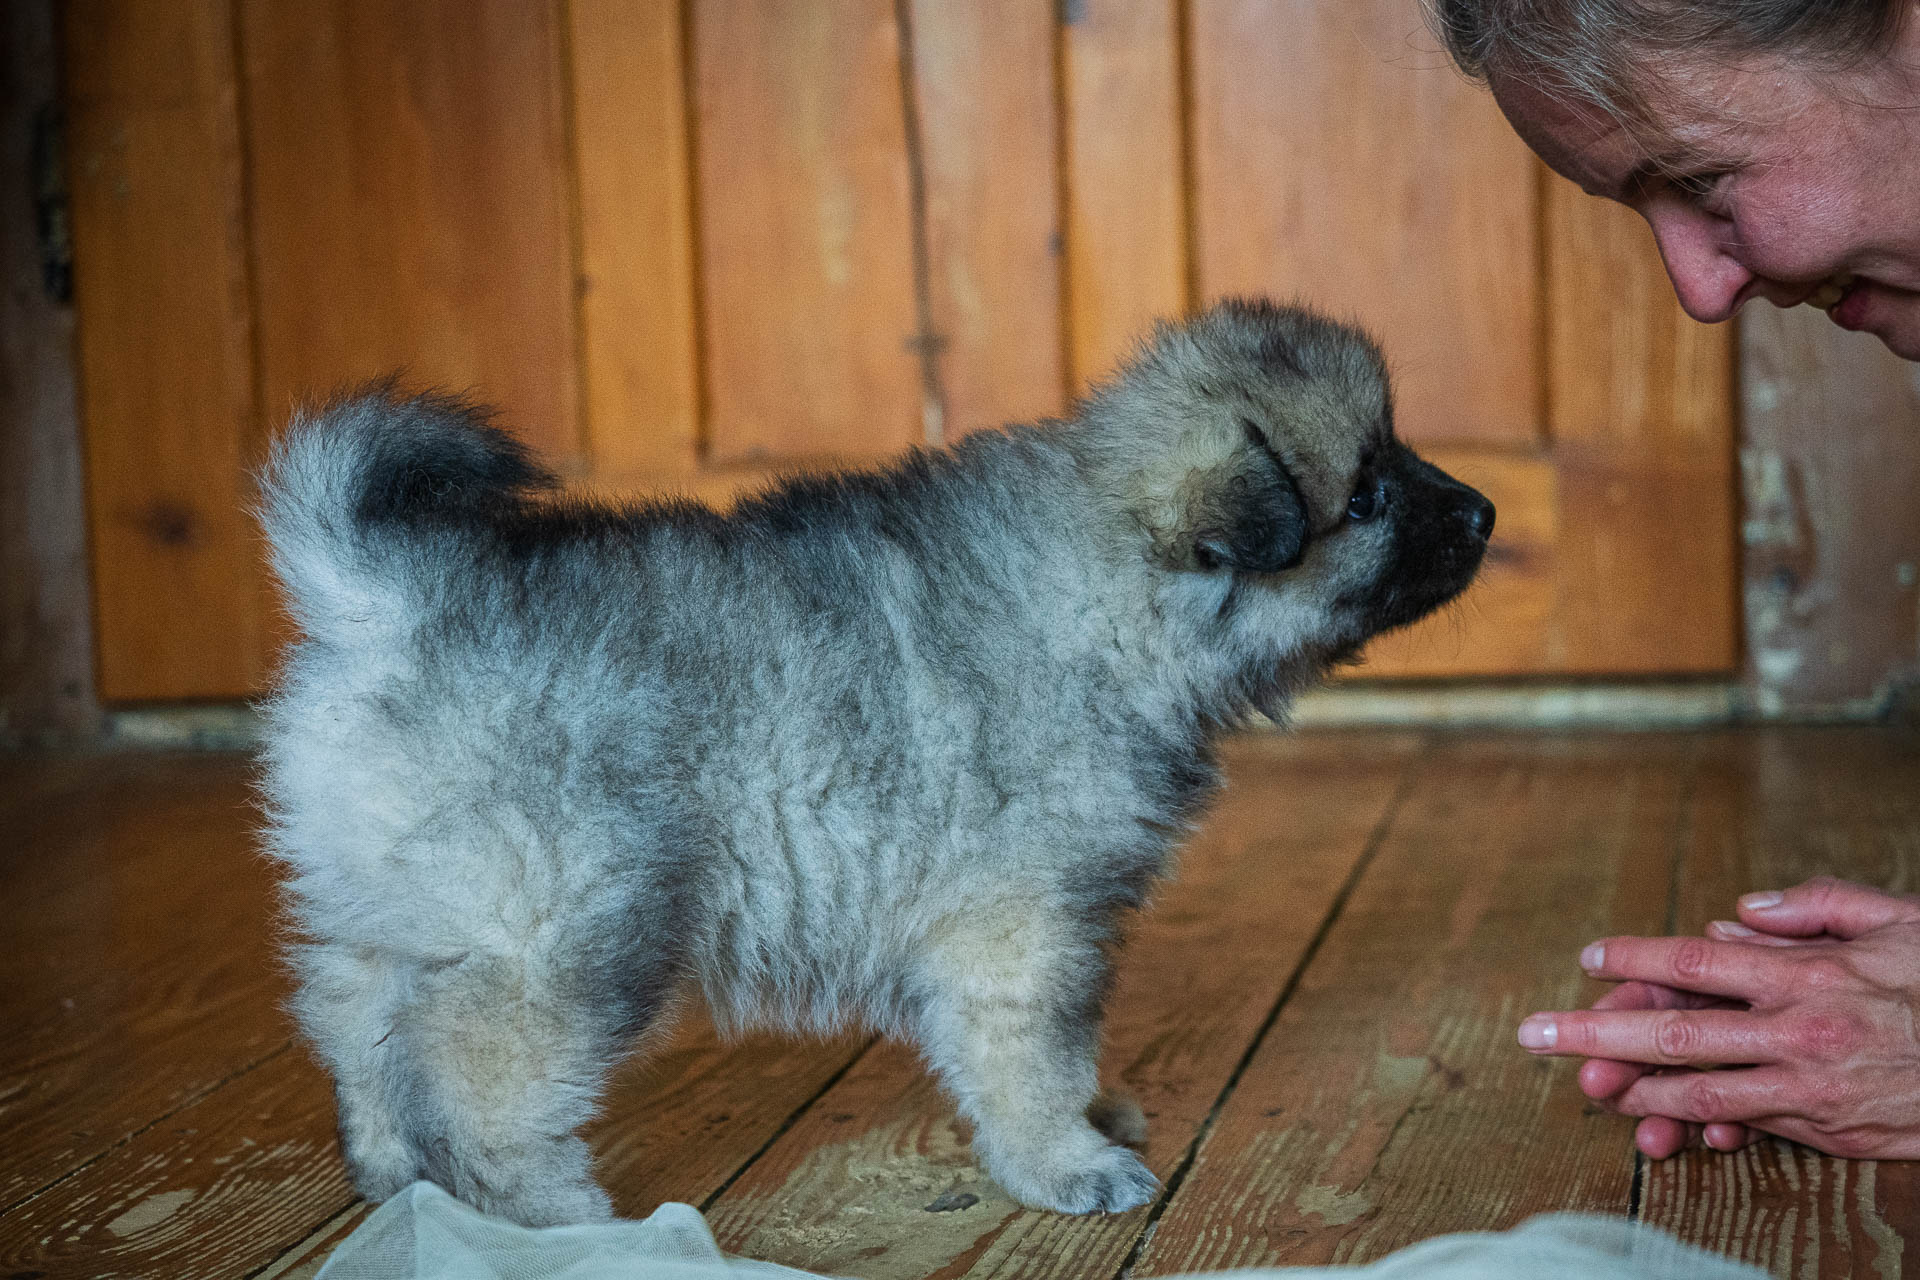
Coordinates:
column 1706, row 279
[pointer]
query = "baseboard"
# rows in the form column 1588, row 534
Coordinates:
column 1686, row 704
column 1654, row 704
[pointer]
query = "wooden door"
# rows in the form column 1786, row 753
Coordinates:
column 686, row 245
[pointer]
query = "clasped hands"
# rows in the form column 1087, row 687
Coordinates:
column 1809, row 1004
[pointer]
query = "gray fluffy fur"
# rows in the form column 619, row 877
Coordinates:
column 897, row 749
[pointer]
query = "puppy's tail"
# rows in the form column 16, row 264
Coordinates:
column 356, row 495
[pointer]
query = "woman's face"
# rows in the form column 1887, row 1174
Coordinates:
column 1779, row 183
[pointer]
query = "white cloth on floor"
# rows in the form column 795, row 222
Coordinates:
column 425, row 1234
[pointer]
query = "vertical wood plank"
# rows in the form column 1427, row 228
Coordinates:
column 853, row 1188
column 1776, row 807
column 46, row 623
column 1830, row 466
column 1641, row 411
column 806, row 272
column 638, row 324
column 165, row 361
column 1335, row 161
column 1126, row 195
column 412, row 206
column 1388, row 1102
column 983, row 78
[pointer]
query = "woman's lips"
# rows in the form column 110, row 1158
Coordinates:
column 1849, row 311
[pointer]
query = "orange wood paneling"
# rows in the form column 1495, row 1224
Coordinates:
column 165, row 364
column 1338, row 163
column 1125, row 162
column 806, row 238
column 691, row 245
column 983, row 78
column 411, row 203
column 1641, row 413
column 632, row 149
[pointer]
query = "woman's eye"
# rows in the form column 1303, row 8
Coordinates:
column 1363, row 504
column 1699, row 188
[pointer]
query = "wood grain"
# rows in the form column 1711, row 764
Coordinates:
column 1389, row 1101
column 1775, row 808
column 632, row 149
column 848, row 1190
column 1335, row 154
column 806, row 261
column 1640, row 407
column 686, row 1117
column 1126, row 190
column 215, row 1189
column 139, row 972
column 46, row 606
column 1384, row 1102
column 159, row 1120
column 1831, row 461
column 676, row 1127
column 411, row 204
column 170, row 418
column 688, row 246
column 983, row 82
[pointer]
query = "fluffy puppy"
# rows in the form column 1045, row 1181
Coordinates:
column 898, row 748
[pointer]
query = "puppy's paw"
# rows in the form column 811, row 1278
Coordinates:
column 1085, row 1175
column 1114, row 1182
column 1119, row 1117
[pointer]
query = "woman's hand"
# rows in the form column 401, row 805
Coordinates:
column 1811, row 1003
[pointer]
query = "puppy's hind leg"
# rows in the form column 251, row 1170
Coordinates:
column 1008, row 1014
column 348, row 999
column 507, row 1061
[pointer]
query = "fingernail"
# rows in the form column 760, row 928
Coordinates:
column 1538, row 1033
column 1761, row 901
column 1593, row 957
column 1733, row 929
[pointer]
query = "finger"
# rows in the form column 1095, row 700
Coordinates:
column 1690, row 964
column 1826, row 905
column 1603, row 1078
column 1661, row 1037
column 1729, row 1137
column 1649, row 995
column 1733, row 931
column 1709, row 1097
column 1659, row 1137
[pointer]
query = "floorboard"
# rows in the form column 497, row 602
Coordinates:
column 1389, row 1103
column 139, row 967
column 1317, row 1015
column 861, row 1187
column 1774, row 809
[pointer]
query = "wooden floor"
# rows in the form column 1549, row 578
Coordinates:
column 1317, row 1016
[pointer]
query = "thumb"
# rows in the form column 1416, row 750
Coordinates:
column 1825, row 905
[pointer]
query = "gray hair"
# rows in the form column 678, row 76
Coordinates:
column 1609, row 53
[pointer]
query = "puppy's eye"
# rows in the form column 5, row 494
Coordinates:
column 1364, row 503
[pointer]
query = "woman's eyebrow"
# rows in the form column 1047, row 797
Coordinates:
column 1679, row 160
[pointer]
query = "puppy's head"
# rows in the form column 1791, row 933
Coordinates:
column 1253, row 447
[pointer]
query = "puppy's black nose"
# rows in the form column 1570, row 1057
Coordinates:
column 1480, row 518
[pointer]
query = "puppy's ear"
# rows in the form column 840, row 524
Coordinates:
column 1244, row 515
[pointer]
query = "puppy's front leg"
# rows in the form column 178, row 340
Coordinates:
column 1009, row 1016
